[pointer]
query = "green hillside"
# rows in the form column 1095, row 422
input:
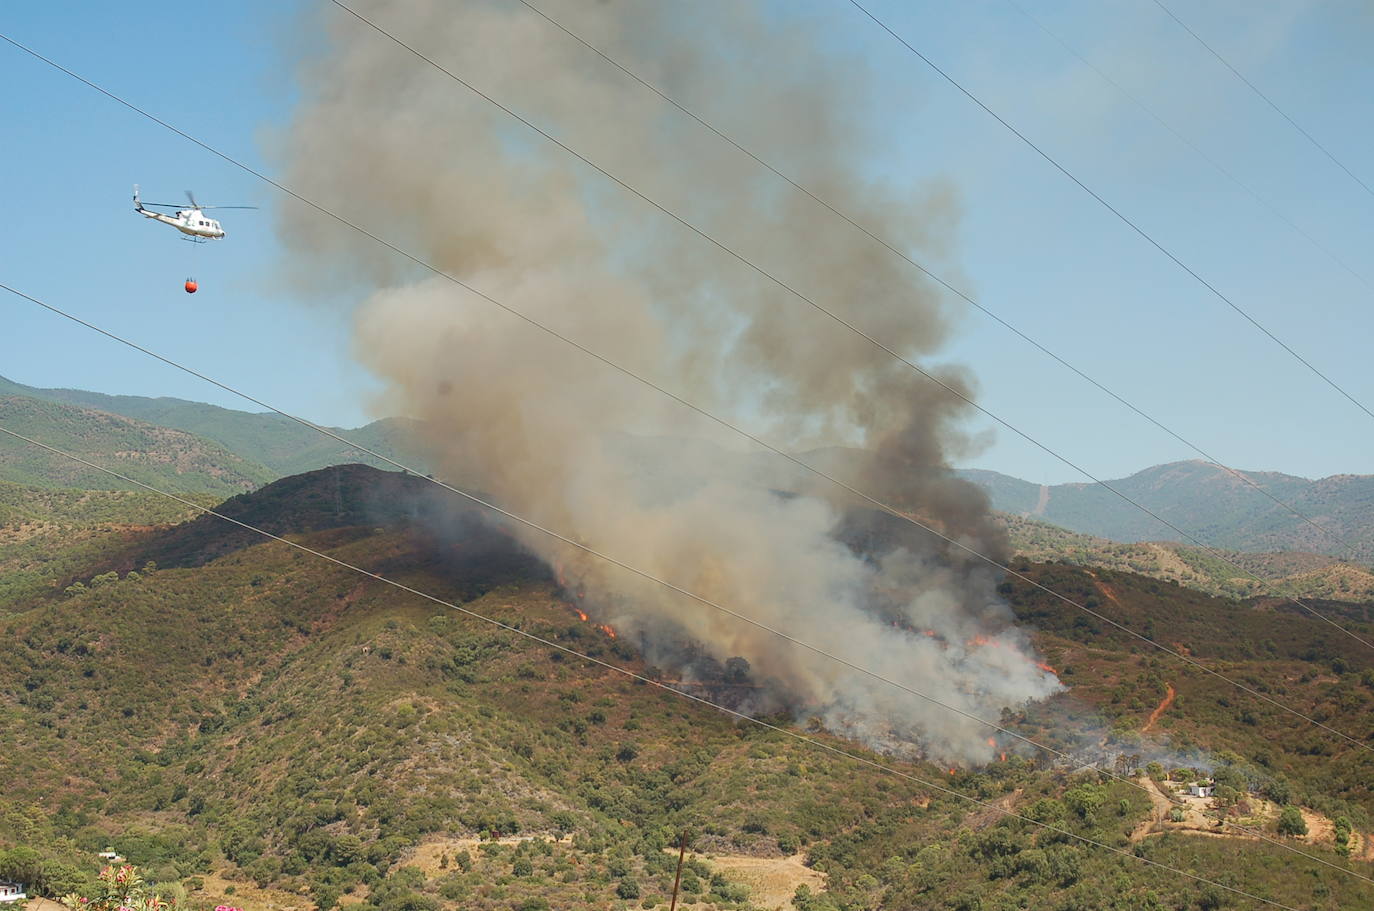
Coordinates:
column 1208, row 503
column 244, row 717
column 280, row 444
column 48, row 536
column 1199, row 498
column 171, row 459
column 1227, row 573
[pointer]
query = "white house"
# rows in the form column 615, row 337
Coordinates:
column 1201, row 788
column 11, row 892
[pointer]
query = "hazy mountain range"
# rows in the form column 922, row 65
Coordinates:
column 278, row 445
column 211, row 449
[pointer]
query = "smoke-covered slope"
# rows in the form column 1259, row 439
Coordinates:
column 294, row 726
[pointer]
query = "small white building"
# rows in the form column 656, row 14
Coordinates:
column 111, row 855
column 11, row 892
column 1201, row 788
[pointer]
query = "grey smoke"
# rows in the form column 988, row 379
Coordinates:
column 395, row 145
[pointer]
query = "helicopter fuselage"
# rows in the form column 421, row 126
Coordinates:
column 188, row 221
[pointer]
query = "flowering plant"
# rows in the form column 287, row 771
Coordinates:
column 119, row 889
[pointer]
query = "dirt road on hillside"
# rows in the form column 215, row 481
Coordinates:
column 1160, row 709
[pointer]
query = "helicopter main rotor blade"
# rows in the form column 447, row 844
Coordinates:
column 226, row 207
column 164, row 205
column 193, row 200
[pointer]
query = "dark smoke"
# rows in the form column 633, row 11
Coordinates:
column 399, row 147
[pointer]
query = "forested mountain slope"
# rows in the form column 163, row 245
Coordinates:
column 245, row 715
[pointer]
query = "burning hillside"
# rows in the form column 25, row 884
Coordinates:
column 545, row 429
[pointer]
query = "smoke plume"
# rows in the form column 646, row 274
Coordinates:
column 395, row 145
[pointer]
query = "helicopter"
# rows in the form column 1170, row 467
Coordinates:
column 190, row 221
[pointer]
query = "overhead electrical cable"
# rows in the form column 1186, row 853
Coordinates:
column 762, row 272
column 852, row 327
column 550, row 643
column 895, row 250
column 674, row 588
column 1265, row 98
column 611, row 364
column 1189, row 143
column 1216, row 292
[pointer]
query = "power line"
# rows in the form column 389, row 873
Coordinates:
column 1267, row 100
column 670, row 586
column 781, row 284
column 1216, row 292
column 1189, row 143
column 533, row 637
column 846, row 323
column 510, row 515
column 892, row 248
column 684, row 402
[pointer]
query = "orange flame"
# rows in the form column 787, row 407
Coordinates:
column 1004, row 757
column 607, row 629
column 1046, row 667
column 580, row 615
column 992, row 742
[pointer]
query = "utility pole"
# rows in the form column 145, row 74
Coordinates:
column 681, row 853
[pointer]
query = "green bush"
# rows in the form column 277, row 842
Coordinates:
column 1291, row 822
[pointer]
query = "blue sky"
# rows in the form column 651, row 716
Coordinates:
column 1033, row 247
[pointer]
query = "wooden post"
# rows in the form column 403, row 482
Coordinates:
column 681, row 853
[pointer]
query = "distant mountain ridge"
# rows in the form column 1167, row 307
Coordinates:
column 170, row 459
column 281, row 445
column 1207, row 502
column 1200, row 498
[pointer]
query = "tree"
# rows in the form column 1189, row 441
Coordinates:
column 1291, row 822
column 22, row 865
column 326, row 896
column 736, row 670
column 1278, row 790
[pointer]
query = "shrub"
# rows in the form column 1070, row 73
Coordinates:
column 1291, row 822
